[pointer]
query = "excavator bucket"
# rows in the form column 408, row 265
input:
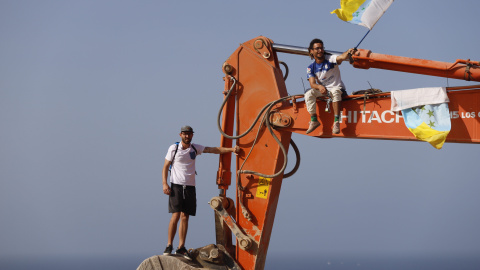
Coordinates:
column 209, row 257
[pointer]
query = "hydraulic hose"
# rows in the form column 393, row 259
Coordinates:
column 270, row 129
column 267, row 108
column 271, row 104
column 221, row 109
column 297, row 161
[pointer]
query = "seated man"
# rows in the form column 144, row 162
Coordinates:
column 324, row 75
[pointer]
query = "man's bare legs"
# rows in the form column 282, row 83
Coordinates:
column 182, row 234
column 337, row 105
column 182, row 230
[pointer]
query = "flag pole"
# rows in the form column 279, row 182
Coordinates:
column 350, row 59
column 362, row 39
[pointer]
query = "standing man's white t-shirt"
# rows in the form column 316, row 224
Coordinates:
column 183, row 166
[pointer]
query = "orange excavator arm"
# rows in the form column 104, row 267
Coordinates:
column 258, row 113
column 257, row 106
column 461, row 69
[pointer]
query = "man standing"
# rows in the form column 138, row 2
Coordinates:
column 182, row 195
column 324, row 75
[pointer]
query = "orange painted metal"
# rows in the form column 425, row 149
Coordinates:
column 255, row 67
column 224, row 173
column 260, row 81
column 372, row 118
column 461, row 69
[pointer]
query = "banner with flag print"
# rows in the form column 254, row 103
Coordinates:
column 425, row 112
column 430, row 123
column 362, row 12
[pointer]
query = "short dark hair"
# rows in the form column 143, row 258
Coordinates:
column 314, row 41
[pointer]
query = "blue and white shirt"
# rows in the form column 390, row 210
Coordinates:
column 327, row 73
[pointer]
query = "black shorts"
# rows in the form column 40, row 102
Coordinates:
column 182, row 199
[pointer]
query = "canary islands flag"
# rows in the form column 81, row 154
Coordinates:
column 425, row 112
column 362, row 12
column 429, row 123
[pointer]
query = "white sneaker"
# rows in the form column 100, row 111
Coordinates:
column 336, row 127
column 312, row 126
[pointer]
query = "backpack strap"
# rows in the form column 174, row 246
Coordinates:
column 174, row 154
column 195, row 154
column 193, row 146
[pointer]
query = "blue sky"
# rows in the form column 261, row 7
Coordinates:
column 92, row 93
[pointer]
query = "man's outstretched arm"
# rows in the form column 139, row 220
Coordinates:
column 344, row 56
column 221, row 150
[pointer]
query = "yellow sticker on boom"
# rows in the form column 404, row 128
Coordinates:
column 262, row 189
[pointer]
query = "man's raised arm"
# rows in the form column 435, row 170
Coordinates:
column 221, row 150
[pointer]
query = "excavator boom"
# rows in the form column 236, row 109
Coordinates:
column 370, row 117
column 254, row 86
column 365, row 59
column 259, row 111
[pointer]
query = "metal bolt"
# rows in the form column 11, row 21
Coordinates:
column 245, row 243
column 227, row 69
column 214, row 253
column 215, row 203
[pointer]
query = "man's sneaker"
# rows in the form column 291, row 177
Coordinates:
column 168, row 250
column 336, row 127
column 183, row 252
column 312, row 126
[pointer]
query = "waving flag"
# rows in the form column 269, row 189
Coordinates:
column 362, row 12
column 425, row 112
column 430, row 123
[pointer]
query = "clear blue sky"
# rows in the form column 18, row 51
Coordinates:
column 92, row 93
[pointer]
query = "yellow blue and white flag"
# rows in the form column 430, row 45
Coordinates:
column 430, row 123
column 362, row 12
column 425, row 112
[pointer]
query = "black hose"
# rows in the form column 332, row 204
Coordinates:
column 220, row 113
column 271, row 104
column 268, row 108
column 297, row 161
